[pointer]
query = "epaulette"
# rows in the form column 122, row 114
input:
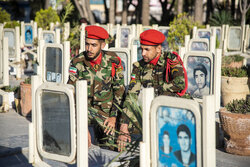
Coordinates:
column 78, row 58
column 114, row 58
column 136, row 64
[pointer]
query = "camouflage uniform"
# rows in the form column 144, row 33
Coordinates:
column 103, row 89
column 147, row 75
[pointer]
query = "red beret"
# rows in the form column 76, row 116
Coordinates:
column 152, row 37
column 96, row 32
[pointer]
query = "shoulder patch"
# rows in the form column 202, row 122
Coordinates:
column 78, row 58
column 136, row 64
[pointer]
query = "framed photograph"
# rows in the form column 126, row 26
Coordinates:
column 204, row 33
column 175, row 128
column 28, row 34
column 200, row 72
column 200, row 44
column 11, row 35
column 123, row 53
column 125, row 31
column 136, row 42
column 55, row 117
column 234, row 38
column 49, row 36
column 53, row 63
column 164, row 30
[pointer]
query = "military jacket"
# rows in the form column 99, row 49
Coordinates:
column 145, row 75
column 103, row 89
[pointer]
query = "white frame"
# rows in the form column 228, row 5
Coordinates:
column 119, row 35
column 204, row 40
column 128, row 65
column 5, row 100
column 212, row 73
column 182, row 104
column 4, row 62
column 228, row 38
column 247, row 39
column 203, row 30
column 48, row 32
column 69, row 91
column 133, row 49
column 14, row 32
column 23, row 33
column 164, row 28
column 52, row 45
column 221, row 39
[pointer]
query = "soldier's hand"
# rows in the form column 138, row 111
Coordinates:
column 89, row 139
column 124, row 137
column 110, row 125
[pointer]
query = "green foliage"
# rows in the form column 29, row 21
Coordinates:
column 226, row 60
column 238, row 106
column 221, row 17
column 27, row 80
column 12, row 24
column 69, row 8
column 135, row 120
column 235, row 72
column 217, row 45
column 74, row 38
column 45, row 17
column 10, row 88
column 4, row 16
column 179, row 27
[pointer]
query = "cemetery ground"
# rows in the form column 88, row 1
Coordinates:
column 14, row 151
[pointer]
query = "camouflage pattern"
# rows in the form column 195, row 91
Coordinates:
column 148, row 75
column 103, row 89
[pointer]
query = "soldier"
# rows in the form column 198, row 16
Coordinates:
column 103, row 72
column 162, row 71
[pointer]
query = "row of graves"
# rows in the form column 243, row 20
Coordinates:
column 59, row 111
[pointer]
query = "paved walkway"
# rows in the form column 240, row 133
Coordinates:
column 14, row 147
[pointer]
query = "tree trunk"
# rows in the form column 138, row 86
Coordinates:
column 233, row 8
column 210, row 9
column 180, row 6
column 165, row 17
column 198, row 12
column 90, row 14
column 80, row 9
column 46, row 5
column 106, row 11
column 145, row 12
column 139, row 12
column 112, row 12
column 244, row 6
column 124, row 12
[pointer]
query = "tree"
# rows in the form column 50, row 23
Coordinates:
column 210, row 9
column 145, row 12
column 83, row 6
column 244, row 6
column 166, row 12
column 198, row 12
column 112, row 11
column 124, row 12
column 179, row 6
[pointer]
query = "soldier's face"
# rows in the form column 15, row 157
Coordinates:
column 93, row 47
column 150, row 52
